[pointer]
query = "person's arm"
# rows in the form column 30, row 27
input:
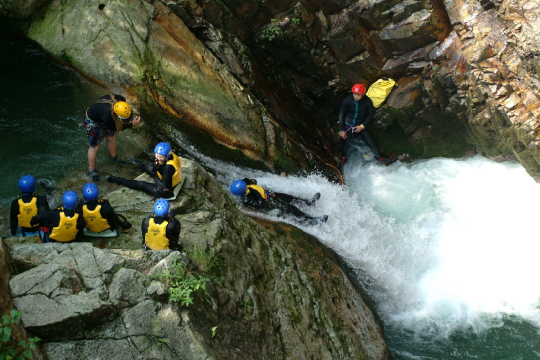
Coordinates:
column 80, row 227
column 250, row 181
column 370, row 110
column 254, row 200
column 13, row 216
column 167, row 172
column 173, row 234
column 42, row 204
column 342, row 115
column 49, row 218
column 144, row 229
column 108, row 213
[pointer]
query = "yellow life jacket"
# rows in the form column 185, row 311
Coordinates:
column 27, row 211
column 177, row 164
column 257, row 188
column 67, row 228
column 379, row 91
column 156, row 236
column 93, row 219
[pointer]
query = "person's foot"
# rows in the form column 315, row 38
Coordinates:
column 315, row 197
column 114, row 179
column 383, row 159
column 116, row 160
column 94, row 176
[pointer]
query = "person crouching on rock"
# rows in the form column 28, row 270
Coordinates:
column 105, row 118
column 65, row 222
column 161, row 231
column 166, row 172
column 26, row 206
column 255, row 197
column 99, row 217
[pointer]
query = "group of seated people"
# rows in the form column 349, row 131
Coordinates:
column 30, row 213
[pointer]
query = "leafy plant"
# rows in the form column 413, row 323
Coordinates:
column 214, row 329
column 204, row 261
column 185, row 279
column 273, row 31
column 23, row 350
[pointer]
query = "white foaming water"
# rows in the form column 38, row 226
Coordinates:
column 440, row 245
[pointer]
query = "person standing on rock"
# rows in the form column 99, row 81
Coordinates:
column 166, row 172
column 65, row 222
column 26, row 206
column 161, row 231
column 256, row 197
column 109, row 115
column 355, row 113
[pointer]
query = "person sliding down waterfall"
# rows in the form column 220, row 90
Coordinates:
column 109, row 115
column 255, row 197
column 166, row 172
column 355, row 113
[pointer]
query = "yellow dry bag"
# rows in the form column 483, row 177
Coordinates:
column 379, row 91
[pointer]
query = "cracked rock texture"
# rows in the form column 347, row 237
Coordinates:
column 280, row 293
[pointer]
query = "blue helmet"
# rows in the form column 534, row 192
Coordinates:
column 69, row 200
column 163, row 148
column 90, row 192
column 161, row 207
column 238, row 187
column 27, row 184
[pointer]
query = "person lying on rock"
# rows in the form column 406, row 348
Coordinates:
column 161, row 231
column 255, row 197
column 99, row 217
column 104, row 119
column 65, row 223
column 166, row 172
column 355, row 113
column 26, row 206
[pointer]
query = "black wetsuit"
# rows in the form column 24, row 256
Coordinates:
column 172, row 231
column 101, row 113
column 51, row 219
column 353, row 113
column 99, row 122
column 281, row 201
column 14, row 211
column 106, row 211
column 161, row 188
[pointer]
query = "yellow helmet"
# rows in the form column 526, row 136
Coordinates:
column 122, row 109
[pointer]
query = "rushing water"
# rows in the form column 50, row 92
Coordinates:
column 447, row 249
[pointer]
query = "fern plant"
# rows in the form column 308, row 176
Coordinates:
column 9, row 351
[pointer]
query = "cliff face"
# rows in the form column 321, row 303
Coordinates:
column 268, row 78
column 275, row 293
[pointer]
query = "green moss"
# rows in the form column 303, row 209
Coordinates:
column 284, row 163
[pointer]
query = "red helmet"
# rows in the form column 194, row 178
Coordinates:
column 359, row 89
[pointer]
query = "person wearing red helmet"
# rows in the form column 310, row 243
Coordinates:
column 355, row 113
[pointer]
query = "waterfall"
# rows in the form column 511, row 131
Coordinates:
column 444, row 247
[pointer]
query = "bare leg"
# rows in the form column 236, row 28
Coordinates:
column 111, row 145
column 92, row 155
